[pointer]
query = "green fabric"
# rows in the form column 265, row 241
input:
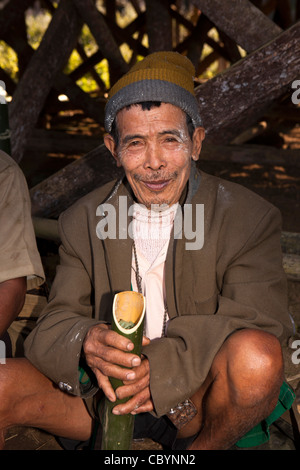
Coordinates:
column 260, row 433
column 83, row 376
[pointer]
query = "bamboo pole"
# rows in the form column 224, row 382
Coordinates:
column 128, row 320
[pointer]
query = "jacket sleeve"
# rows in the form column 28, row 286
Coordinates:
column 252, row 295
column 54, row 346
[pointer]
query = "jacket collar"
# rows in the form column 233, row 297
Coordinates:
column 118, row 249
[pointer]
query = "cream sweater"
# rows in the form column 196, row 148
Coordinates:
column 151, row 232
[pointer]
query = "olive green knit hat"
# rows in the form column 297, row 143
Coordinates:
column 161, row 76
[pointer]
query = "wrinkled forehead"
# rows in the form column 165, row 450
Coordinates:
column 164, row 114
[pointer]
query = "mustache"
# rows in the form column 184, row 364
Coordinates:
column 157, row 176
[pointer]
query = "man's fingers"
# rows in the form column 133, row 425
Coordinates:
column 108, row 369
column 100, row 334
column 140, row 401
column 111, row 347
column 144, row 408
column 105, row 385
column 128, row 389
column 145, row 341
column 109, row 355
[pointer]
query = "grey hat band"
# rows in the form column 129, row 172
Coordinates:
column 152, row 90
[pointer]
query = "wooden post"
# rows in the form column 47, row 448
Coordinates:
column 197, row 39
column 35, row 84
column 159, row 25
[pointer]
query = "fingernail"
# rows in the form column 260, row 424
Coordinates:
column 135, row 361
column 130, row 376
column 115, row 412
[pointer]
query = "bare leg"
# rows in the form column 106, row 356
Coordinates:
column 28, row 398
column 241, row 389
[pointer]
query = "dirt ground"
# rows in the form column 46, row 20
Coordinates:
column 278, row 184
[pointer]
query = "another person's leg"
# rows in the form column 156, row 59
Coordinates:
column 241, row 390
column 28, row 398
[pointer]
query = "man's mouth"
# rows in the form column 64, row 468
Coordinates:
column 156, row 185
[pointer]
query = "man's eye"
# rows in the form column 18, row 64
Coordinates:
column 134, row 143
column 171, row 139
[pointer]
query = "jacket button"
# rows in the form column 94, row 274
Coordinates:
column 65, row 386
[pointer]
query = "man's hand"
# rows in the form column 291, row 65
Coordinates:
column 108, row 355
column 138, row 389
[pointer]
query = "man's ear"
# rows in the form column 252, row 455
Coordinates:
column 111, row 146
column 198, row 137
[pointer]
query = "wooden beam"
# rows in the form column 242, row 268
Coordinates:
column 249, row 154
column 197, row 39
column 56, row 193
column 242, row 22
column 235, row 99
column 12, row 14
column 79, row 98
column 63, row 84
column 36, row 82
column 125, row 36
column 159, row 25
column 103, row 36
column 88, row 66
column 60, row 142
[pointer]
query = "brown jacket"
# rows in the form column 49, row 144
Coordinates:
column 235, row 281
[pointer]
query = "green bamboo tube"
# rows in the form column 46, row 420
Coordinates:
column 129, row 311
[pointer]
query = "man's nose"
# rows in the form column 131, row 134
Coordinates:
column 154, row 157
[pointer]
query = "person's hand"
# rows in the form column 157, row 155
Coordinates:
column 138, row 390
column 108, row 355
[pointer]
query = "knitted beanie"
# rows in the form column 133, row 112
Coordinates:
column 161, row 76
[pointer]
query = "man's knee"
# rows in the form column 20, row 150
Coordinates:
column 254, row 367
column 9, row 385
column 18, row 380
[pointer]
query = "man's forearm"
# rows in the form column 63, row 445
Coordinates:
column 12, row 297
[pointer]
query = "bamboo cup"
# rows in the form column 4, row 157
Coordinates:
column 128, row 320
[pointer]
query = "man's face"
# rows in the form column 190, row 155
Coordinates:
column 155, row 150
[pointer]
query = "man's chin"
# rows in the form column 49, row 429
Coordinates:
column 156, row 203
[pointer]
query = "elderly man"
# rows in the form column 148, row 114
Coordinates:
column 216, row 307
